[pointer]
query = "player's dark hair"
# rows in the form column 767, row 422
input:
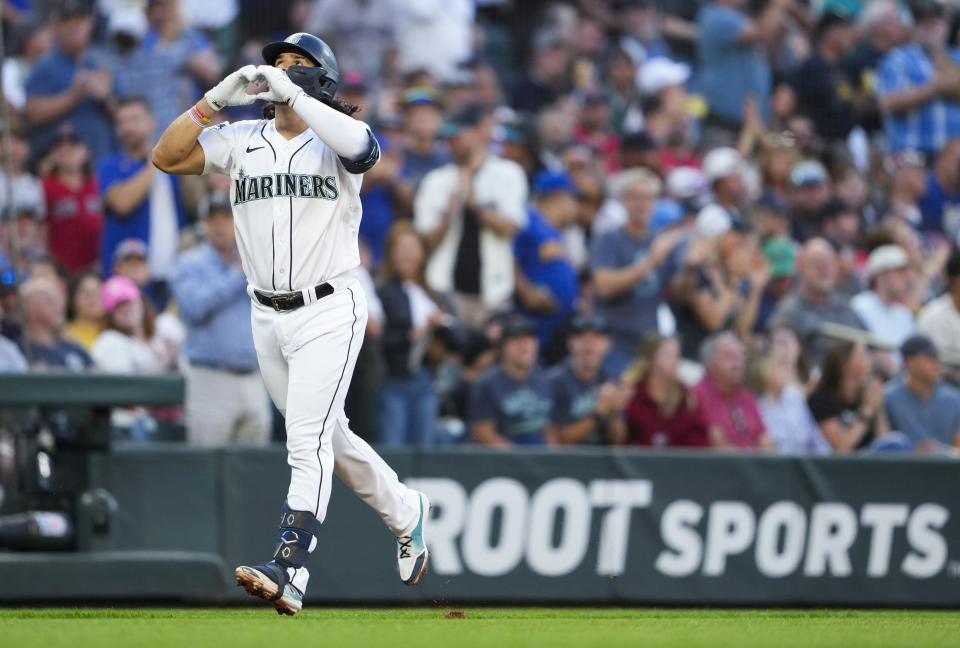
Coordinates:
column 338, row 104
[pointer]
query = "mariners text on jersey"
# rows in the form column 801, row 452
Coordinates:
column 248, row 188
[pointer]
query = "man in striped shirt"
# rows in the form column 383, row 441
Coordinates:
column 917, row 84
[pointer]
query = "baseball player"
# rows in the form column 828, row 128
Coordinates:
column 295, row 182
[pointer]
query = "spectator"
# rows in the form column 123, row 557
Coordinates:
column 142, row 202
column 731, row 412
column 370, row 370
column 732, row 64
column 591, row 127
column 815, row 300
column 662, row 412
column 940, row 204
column 70, row 89
column 434, row 35
column 44, row 313
column 34, row 40
column 781, row 258
column 31, row 237
column 847, row 403
column 882, row 24
column 11, row 358
column 469, row 211
column 776, row 158
column 918, row 85
column 809, row 192
column 823, row 92
column 723, row 168
column 665, row 111
column 720, row 285
column 547, row 284
column 74, row 210
column 422, row 118
column 907, row 186
column 784, row 338
column 783, row 405
column 383, row 189
column 587, row 401
column 221, row 362
column 881, row 308
column 624, row 95
column 626, row 264
column 124, row 346
column 922, row 407
column 130, row 261
column 940, row 319
column 24, row 194
column 412, row 316
column 126, row 29
column 175, row 63
column 547, row 79
column 640, row 21
column 84, row 310
column 363, row 33
column 510, row 403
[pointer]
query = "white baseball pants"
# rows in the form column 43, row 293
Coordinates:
column 306, row 359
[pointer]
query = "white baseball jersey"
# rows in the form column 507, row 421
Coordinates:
column 296, row 205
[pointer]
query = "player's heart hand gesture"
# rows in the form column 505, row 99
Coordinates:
column 232, row 91
column 279, row 86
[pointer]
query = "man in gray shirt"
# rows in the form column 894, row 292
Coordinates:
column 815, row 300
column 922, row 407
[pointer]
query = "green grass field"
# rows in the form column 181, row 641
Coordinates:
column 500, row 627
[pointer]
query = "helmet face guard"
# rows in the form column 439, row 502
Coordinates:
column 315, row 81
column 319, row 82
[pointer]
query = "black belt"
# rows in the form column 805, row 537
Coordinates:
column 291, row 300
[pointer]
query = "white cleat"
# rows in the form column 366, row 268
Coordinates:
column 259, row 584
column 412, row 553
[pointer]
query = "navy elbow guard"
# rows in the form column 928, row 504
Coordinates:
column 367, row 161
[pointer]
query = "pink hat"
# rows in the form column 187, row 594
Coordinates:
column 116, row 290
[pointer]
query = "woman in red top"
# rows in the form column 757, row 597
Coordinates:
column 662, row 413
column 74, row 207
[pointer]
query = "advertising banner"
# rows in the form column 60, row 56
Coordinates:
column 583, row 526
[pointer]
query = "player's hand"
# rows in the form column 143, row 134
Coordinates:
column 232, row 91
column 280, row 88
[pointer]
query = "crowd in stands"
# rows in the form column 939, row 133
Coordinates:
column 727, row 224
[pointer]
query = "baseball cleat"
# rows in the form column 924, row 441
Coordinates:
column 259, row 584
column 412, row 551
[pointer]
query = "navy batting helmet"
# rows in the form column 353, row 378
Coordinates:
column 319, row 82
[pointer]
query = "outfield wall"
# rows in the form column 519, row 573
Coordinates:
column 573, row 526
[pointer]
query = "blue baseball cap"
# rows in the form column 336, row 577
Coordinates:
column 666, row 212
column 548, row 182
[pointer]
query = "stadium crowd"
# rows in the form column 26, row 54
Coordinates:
column 697, row 223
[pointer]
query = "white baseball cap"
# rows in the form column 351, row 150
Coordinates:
column 885, row 258
column 128, row 20
column 713, row 220
column 686, row 182
column 721, row 162
column 660, row 72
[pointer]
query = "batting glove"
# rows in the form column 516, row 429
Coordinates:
column 282, row 89
column 232, row 91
